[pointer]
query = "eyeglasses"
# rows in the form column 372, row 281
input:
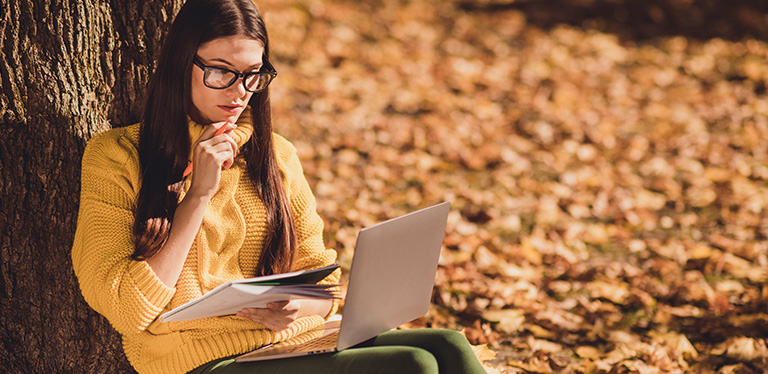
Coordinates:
column 221, row 78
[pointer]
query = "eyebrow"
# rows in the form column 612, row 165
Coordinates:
column 254, row 66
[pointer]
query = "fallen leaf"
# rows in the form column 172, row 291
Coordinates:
column 542, row 345
column 588, row 352
column 509, row 320
column 742, row 349
column 534, row 365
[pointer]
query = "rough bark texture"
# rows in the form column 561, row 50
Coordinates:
column 69, row 69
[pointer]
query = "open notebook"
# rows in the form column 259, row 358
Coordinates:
column 390, row 283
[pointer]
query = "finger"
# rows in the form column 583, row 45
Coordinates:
column 215, row 129
column 218, row 152
column 277, row 305
column 228, row 162
column 245, row 312
column 256, row 314
column 225, row 137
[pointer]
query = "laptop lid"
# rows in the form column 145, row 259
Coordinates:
column 392, row 274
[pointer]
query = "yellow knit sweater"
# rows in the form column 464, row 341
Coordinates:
column 227, row 247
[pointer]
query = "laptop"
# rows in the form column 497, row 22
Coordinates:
column 390, row 283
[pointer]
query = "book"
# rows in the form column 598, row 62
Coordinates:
column 229, row 297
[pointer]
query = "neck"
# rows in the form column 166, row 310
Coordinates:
column 240, row 135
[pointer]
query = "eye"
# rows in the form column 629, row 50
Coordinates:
column 218, row 77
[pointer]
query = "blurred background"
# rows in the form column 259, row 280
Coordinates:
column 606, row 162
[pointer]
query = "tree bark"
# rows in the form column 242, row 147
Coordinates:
column 69, row 69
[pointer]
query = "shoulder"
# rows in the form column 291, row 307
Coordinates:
column 112, row 149
column 285, row 153
column 287, row 159
column 117, row 139
column 284, row 150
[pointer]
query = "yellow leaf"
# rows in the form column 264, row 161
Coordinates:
column 542, row 345
column 733, row 369
column 640, row 367
column 509, row 320
column 588, row 352
column 483, row 353
column 490, row 369
column 535, row 365
column 679, row 344
column 616, row 292
column 541, row 332
column 742, row 349
column 530, row 252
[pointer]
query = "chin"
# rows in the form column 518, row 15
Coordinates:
column 225, row 118
column 233, row 118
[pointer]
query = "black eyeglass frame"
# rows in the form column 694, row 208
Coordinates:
column 270, row 72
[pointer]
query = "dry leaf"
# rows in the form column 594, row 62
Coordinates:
column 509, row 320
column 616, row 292
column 743, row 349
column 611, row 190
column 588, row 352
column 542, row 345
column 534, row 365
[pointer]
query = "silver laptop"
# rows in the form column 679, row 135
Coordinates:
column 390, row 283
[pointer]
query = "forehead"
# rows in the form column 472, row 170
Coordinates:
column 237, row 50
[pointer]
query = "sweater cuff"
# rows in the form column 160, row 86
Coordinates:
column 334, row 310
column 153, row 289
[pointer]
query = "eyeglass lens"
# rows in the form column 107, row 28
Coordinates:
column 221, row 78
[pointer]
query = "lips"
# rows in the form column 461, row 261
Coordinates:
column 230, row 108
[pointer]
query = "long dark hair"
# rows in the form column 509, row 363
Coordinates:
column 164, row 143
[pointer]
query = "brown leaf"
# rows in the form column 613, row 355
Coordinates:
column 743, row 349
column 509, row 320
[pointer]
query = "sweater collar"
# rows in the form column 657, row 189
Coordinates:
column 240, row 135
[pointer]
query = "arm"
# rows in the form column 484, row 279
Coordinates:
column 126, row 292
column 168, row 262
column 130, row 294
column 211, row 153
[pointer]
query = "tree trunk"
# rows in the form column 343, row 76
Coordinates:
column 69, row 69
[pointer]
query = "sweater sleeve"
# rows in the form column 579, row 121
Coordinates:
column 309, row 226
column 126, row 292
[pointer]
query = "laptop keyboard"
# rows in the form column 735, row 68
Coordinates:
column 327, row 341
column 323, row 342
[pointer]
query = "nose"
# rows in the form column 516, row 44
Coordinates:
column 237, row 88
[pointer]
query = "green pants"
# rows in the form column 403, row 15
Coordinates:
column 419, row 351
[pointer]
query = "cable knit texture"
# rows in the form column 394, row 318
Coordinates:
column 227, row 246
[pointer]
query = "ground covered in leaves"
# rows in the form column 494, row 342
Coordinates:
column 607, row 164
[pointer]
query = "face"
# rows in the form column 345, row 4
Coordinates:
column 238, row 53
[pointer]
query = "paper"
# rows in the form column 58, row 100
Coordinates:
column 230, row 297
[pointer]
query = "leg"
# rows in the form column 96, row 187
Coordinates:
column 372, row 360
column 452, row 350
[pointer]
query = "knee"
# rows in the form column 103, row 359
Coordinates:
column 414, row 361
column 448, row 338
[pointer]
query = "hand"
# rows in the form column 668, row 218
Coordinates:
column 211, row 154
column 277, row 316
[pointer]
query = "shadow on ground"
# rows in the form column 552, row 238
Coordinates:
column 637, row 20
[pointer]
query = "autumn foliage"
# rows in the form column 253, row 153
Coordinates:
column 609, row 193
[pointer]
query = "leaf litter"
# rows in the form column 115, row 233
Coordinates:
column 609, row 195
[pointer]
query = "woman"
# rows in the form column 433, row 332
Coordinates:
column 149, row 238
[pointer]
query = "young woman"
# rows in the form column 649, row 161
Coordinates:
column 149, row 238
